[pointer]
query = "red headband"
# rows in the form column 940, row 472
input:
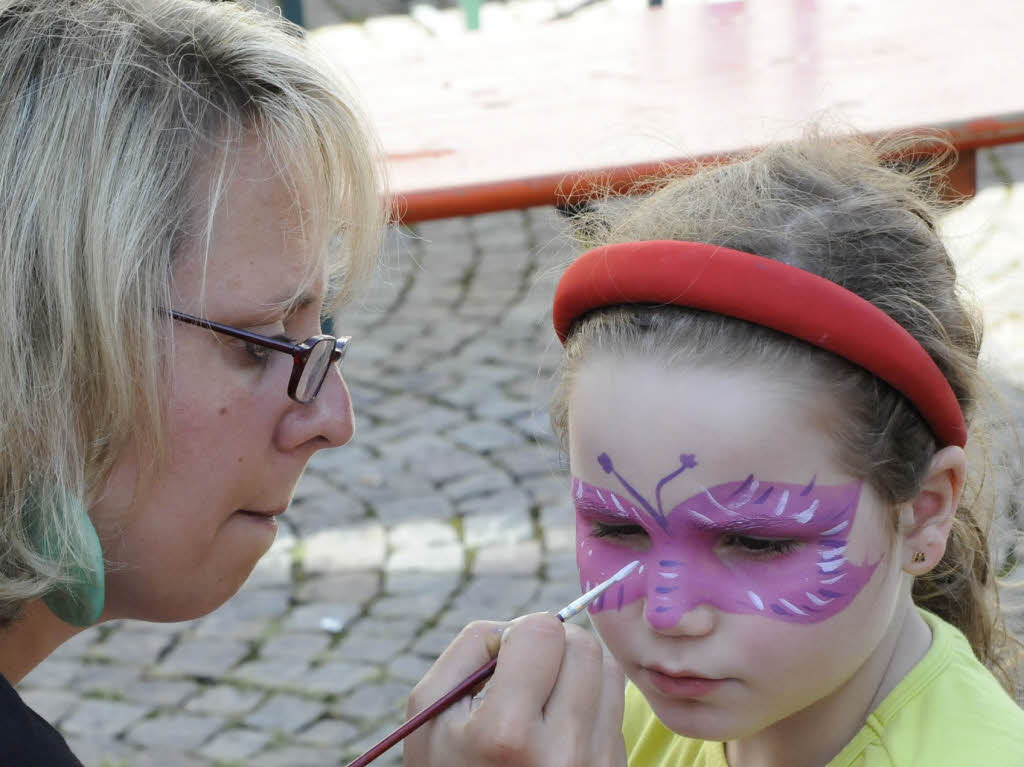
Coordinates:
column 768, row 293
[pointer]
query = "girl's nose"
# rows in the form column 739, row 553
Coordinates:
column 696, row 621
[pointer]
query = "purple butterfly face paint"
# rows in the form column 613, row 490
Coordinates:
column 807, row 581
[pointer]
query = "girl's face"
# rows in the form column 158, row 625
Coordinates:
column 183, row 540
column 768, row 579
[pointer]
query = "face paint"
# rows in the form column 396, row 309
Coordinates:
column 751, row 547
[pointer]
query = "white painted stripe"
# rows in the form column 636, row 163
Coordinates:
column 827, row 567
column 716, row 503
column 599, row 494
column 837, row 528
column 744, row 499
column 618, row 505
column 831, row 553
column 781, row 505
column 669, row 575
column 791, row 606
column 805, row 516
column 579, row 489
column 836, row 579
column 756, row 600
column 817, row 600
column 701, row 517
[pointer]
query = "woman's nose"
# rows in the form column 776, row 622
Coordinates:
column 327, row 421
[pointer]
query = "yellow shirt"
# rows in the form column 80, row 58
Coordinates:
column 949, row 711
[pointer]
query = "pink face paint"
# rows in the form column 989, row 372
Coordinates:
column 686, row 565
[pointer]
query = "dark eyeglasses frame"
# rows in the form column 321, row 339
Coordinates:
column 299, row 352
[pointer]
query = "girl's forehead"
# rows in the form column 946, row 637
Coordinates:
column 735, row 421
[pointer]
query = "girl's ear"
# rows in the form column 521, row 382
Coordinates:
column 928, row 516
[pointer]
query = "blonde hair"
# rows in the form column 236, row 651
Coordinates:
column 112, row 112
column 863, row 215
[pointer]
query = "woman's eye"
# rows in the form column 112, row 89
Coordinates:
column 760, row 548
column 257, row 352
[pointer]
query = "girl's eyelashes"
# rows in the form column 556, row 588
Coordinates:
column 629, row 536
column 759, row 548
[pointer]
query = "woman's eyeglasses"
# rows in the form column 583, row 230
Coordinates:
column 311, row 360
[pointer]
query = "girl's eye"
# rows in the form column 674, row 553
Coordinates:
column 760, row 548
column 633, row 536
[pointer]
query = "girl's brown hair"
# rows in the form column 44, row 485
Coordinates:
column 862, row 215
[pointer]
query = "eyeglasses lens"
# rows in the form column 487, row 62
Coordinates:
column 313, row 374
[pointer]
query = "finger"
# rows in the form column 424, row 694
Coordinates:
column 577, row 692
column 475, row 645
column 528, row 664
column 606, row 734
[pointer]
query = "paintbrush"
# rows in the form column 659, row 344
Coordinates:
column 481, row 674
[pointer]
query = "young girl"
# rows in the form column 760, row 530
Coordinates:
column 766, row 397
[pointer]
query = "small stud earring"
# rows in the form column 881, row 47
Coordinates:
column 918, row 557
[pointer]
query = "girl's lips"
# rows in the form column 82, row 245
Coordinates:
column 685, row 684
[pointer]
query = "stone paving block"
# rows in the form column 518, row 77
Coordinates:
column 245, row 616
column 444, row 467
column 440, row 584
column 432, row 643
column 225, row 700
column 430, row 506
column 357, row 587
column 421, row 533
column 485, row 530
column 101, row 751
column 105, row 679
column 527, row 461
column 443, row 558
column 104, row 718
column 301, row 645
column 375, row 701
column 135, row 647
column 296, row 756
column 51, row 705
column 166, row 757
column 235, row 745
column 174, row 731
column 409, row 667
column 328, row 732
column 344, row 549
column 483, row 437
column 328, row 512
column 361, row 648
column 270, row 673
column 476, row 484
column 321, row 616
column 285, row 713
column 521, row 558
column 51, row 673
column 498, row 590
column 407, row 604
column 202, row 657
column 335, row 678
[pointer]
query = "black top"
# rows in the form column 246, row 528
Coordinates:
column 26, row 739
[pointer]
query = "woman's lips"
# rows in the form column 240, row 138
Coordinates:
column 685, row 684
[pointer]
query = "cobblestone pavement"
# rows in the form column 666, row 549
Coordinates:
column 449, row 505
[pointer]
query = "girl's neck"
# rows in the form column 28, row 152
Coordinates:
column 835, row 720
column 35, row 634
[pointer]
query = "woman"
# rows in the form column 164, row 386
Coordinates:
column 184, row 195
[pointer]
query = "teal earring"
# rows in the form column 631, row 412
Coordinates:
column 79, row 600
